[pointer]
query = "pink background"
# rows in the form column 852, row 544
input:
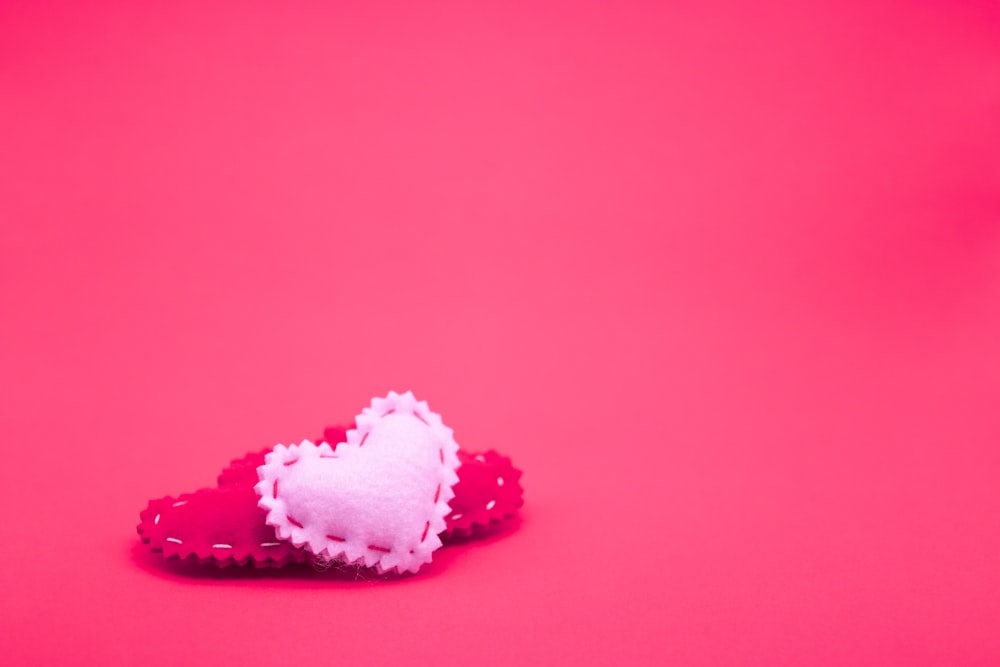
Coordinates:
column 724, row 280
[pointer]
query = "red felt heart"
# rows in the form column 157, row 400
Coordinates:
column 224, row 526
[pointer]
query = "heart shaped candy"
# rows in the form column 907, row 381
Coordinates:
column 380, row 500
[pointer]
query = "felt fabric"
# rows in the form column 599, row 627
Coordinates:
column 224, row 526
column 488, row 488
column 488, row 491
column 229, row 514
column 380, row 500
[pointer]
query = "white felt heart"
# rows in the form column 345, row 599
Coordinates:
column 380, row 499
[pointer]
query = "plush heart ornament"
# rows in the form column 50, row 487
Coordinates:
column 225, row 526
column 380, row 500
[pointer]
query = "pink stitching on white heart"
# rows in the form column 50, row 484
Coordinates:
column 364, row 507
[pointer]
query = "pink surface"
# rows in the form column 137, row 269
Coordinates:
column 723, row 281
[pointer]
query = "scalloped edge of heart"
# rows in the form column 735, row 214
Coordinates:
column 403, row 553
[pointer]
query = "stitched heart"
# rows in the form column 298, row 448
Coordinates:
column 380, row 500
column 220, row 526
column 224, row 526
